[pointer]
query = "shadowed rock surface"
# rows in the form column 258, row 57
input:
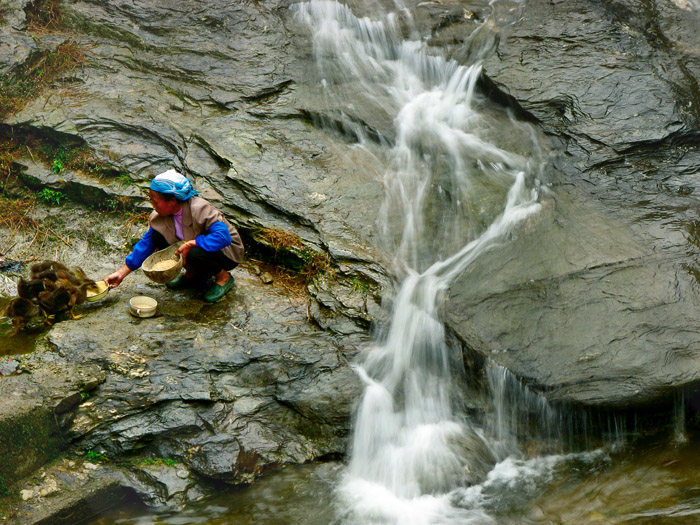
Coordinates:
column 598, row 302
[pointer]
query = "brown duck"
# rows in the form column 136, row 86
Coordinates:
column 24, row 313
column 55, row 287
column 61, row 296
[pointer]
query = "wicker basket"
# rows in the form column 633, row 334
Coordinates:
column 163, row 276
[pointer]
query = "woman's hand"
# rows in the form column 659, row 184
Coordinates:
column 184, row 248
column 114, row 279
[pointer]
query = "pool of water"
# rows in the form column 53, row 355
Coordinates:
column 297, row 494
column 655, row 480
column 20, row 343
column 652, row 482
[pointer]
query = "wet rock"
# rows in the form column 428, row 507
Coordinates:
column 48, row 487
column 16, row 46
column 77, row 186
column 155, row 95
column 161, row 484
column 8, row 367
column 600, row 288
column 32, row 431
column 230, row 390
column 63, row 494
column 595, row 303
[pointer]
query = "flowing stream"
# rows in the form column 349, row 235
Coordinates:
column 454, row 189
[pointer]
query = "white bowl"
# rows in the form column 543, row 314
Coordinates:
column 142, row 306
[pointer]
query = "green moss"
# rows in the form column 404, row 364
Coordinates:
column 98, row 242
column 4, row 487
column 169, row 462
column 362, row 286
column 95, row 457
column 28, row 440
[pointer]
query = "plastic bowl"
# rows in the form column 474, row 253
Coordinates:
column 150, row 265
column 97, row 291
column 142, row 306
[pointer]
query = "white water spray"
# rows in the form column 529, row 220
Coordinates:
column 453, row 191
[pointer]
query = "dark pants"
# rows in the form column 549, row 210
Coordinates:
column 200, row 263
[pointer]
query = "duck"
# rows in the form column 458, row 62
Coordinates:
column 31, row 288
column 53, row 270
column 55, row 288
column 54, row 301
column 62, row 296
column 45, row 266
column 24, row 313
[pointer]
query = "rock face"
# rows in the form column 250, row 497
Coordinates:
column 231, row 390
column 16, row 46
column 597, row 303
column 212, row 91
column 199, row 392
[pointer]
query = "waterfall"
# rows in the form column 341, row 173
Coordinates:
column 461, row 178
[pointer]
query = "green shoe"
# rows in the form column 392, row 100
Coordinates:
column 181, row 282
column 217, row 291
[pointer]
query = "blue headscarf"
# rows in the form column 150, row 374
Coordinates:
column 173, row 183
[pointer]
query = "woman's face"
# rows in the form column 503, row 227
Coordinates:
column 163, row 206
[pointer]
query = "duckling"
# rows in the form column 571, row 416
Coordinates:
column 30, row 289
column 78, row 295
column 55, row 301
column 24, row 313
column 61, row 295
column 43, row 266
column 79, row 274
column 53, row 269
column 56, row 288
column 49, row 275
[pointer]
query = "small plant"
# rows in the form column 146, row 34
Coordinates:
column 315, row 263
column 57, row 166
column 179, row 94
column 51, row 197
column 290, row 252
column 84, row 395
column 95, row 457
column 124, row 179
column 16, row 90
column 169, row 462
column 360, row 286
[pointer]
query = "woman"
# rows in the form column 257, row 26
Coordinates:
column 212, row 246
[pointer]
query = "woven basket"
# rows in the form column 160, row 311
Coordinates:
column 163, row 276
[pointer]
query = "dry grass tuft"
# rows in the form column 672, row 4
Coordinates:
column 302, row 263
column 15, row 215
column 278, row 239
column 44, row 16
column 293, row 283
column 17, row 90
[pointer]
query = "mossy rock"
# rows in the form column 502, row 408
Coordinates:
column 28, row 440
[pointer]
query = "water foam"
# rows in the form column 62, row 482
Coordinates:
column 452, row 192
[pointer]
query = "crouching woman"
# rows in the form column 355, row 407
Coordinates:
column 212, row 247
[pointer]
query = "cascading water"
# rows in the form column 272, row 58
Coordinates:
column 456, row 186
